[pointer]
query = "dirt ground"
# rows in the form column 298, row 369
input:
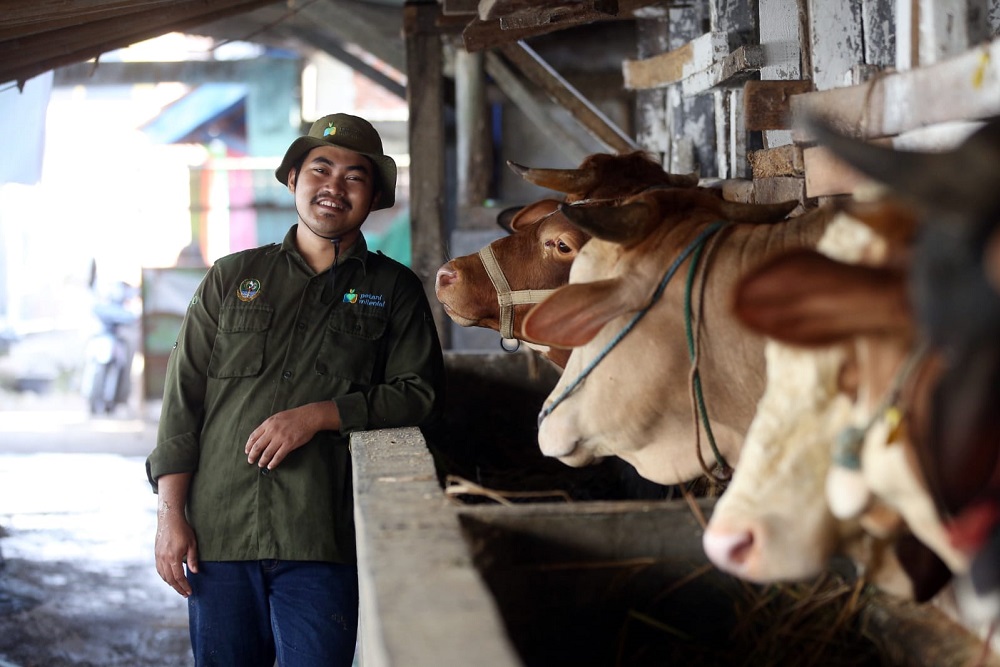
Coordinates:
column 77, row 583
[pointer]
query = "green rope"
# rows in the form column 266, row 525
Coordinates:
column 699, row 396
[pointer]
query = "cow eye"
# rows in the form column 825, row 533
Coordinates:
column 563, row 248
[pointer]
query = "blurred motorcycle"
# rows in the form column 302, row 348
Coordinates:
column 107, row 368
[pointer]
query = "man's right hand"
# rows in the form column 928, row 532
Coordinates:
column 175, row 539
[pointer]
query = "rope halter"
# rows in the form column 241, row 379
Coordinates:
column 506, row 297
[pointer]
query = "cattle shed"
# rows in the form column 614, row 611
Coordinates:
column 474, row 548
column 713, row 88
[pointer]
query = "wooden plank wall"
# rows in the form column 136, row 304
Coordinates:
column 913, row 73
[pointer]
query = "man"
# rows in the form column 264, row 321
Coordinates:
column 285, row 350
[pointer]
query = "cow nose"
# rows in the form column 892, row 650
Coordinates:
column 729, row 550
column 445, row 276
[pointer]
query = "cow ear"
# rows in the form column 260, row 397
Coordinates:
column 806, row 298
column 506, row 217
column 530, row 214
column 573, row 315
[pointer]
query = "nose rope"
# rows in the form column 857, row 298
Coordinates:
column 671, row 270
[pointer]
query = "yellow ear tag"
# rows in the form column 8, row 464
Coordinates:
column 894, row 420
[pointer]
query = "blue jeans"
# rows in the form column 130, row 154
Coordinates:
column 247, row 613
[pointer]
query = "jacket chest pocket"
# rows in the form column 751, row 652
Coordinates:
column 239, row 341
column 351, row 346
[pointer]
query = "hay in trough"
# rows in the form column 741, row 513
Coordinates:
column 779, row 625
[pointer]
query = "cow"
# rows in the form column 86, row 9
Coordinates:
column 495, row 287
column 839, row 334
column 953, row 284
column 628, row 388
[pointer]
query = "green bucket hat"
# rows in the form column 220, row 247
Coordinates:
column 353, row 133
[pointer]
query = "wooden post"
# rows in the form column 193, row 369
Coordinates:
column 737, row 19
column 690, row 120
column 652, row 132
column 425, row 98
column 473, row 141
column 836, row 39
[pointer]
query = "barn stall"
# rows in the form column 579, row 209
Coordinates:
column 716, row 89
column 475, row 548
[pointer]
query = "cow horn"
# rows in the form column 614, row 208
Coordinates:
column 961, row 179
column 567, row 181
column 755, row 213
column 616, row 224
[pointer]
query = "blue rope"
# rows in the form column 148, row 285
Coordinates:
column 691, row 247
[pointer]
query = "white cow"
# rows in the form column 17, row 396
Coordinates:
column 775, row 521
column 627, row 387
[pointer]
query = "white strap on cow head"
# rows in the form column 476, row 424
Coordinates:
column 506, row 297
column 847, row 492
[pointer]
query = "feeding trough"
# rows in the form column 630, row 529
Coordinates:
column 595, row 582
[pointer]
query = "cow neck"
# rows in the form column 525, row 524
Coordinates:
column 692, row 248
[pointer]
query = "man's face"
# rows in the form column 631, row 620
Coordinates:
column 333, row 191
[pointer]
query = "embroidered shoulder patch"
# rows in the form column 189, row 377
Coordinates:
column 249, row 289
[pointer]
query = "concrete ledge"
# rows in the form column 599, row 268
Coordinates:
column 422, row 602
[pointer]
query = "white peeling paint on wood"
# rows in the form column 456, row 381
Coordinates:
column 836, row 39
column 782, row 40
column 691, row 119
column 961, row 88
column 944, row 29
column 878, row 23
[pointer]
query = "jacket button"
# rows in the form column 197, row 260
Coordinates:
column 286, row 374
column 265, row 472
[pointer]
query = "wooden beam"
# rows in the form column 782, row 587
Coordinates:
column 24, row 58
column 479, row 35
column 966, row 87
column 673, row 66
column 468, row 8
column 776, row 162
column 734, row 69
column 191, row 72
column 323, row 40
column 828, row 175
column 428, row 184
column 536, row 70
column 768, row 103
column 511, row 85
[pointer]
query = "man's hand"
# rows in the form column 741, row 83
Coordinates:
column 175, row 539
column 284, row 432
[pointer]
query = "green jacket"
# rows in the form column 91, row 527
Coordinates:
column 260, row 336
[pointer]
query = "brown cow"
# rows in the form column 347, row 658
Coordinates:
column 636, row 402
column 537, row 255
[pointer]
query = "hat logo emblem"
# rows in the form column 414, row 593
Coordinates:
column 330, row 130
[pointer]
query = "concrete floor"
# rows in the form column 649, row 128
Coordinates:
column 77, row 521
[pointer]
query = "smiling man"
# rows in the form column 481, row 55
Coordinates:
column 285, row 350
